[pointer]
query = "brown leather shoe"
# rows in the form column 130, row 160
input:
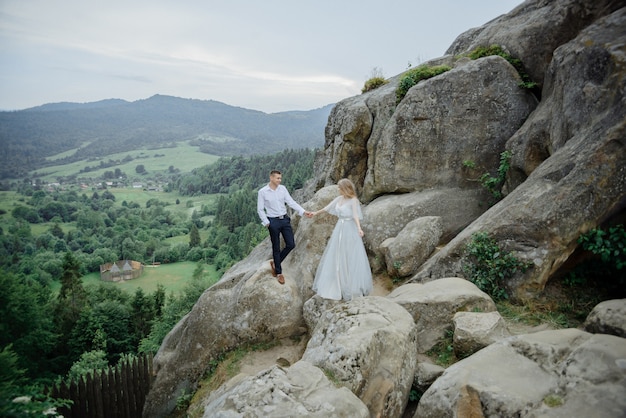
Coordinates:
column 281, row 279
column 273, row 268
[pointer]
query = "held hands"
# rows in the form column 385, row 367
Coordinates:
column 309, row 214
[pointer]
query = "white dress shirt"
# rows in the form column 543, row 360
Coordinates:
column 271, row 203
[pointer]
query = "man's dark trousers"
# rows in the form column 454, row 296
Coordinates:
column 277, row 228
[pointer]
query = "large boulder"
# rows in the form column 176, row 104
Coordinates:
column 301, row 390
column 474, row 331
column 465, row 114
column 388, row 215
column 242, row 308
column 579, row 129
column 369, row 346
column 351, row 123
column 608, row 317
column 534, row 29
column 405, row 252
column 566, row 373
column 434, row 304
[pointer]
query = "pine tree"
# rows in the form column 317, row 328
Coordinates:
column 194, row 236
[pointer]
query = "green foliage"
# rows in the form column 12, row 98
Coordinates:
column 18, row 399
column 172, row 311
column 601, row 269
column 609, row 244
column 374, row 83
column 194, row 236
column 55, row 321
column 89, row 362
column 469, row 164
column 494, row 184
column 443, row 352
column 183, row 401
column 415, row 395
column 553, row 401
column 489, row 267
column 485, row 51
column 332, row 377
column 230, row 174
column 415, row 75
column 26, row 321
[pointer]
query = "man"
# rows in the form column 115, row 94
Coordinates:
column 273, row 213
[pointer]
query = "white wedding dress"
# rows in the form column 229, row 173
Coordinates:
column 344, row 270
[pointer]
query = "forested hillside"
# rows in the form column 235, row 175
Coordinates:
column 252, row 172
column 50, row 239
column 95, row 130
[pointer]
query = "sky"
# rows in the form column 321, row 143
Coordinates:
column 267, row 55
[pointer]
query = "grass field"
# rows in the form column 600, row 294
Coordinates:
column 183, row 157
column 173, row 277
column 185, row 208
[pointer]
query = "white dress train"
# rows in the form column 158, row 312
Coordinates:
column 344, row 270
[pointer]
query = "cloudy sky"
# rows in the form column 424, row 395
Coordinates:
column 268, row 55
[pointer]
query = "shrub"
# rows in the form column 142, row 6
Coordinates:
column 485, row 51
column 373, row 83
column 494, row 184
column 610, row 245
column 415, row 75
column 489, row 266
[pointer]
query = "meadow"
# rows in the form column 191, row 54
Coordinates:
column 173, row 277
column 182, row 157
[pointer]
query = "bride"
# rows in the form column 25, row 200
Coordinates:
column 344, row 270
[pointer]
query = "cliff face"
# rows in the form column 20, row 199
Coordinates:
column 409, row 162
column 567, row 165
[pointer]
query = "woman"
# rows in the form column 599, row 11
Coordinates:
column 344, row 270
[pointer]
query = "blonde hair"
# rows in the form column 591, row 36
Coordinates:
column 346, row 188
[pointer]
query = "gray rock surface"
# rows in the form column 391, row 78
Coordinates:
column 534, row 29
column 565, row 373
column 412, row 246
column 369, row 346
column 301, row 390
column 241, row 308
column 608, row 317
column 426, row 374
column 434, row 304
column 576, row 139
column 387, row 216
column 476, row 330
column 465, row 114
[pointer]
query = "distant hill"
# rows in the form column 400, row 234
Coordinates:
column 97, row 129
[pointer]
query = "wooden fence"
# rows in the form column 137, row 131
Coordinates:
column 118, row 392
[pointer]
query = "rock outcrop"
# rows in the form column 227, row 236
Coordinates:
column 566, row 373
column 301, row 390
column 572, row 149
column 434, row 304
column 370, row 346
column 416, row 165
column 608, row 317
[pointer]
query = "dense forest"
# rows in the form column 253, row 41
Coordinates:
column 95, row 130
column 50, row 335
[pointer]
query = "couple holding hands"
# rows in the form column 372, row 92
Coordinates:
column 343, row 271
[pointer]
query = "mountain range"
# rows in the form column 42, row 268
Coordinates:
column 94, row 130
